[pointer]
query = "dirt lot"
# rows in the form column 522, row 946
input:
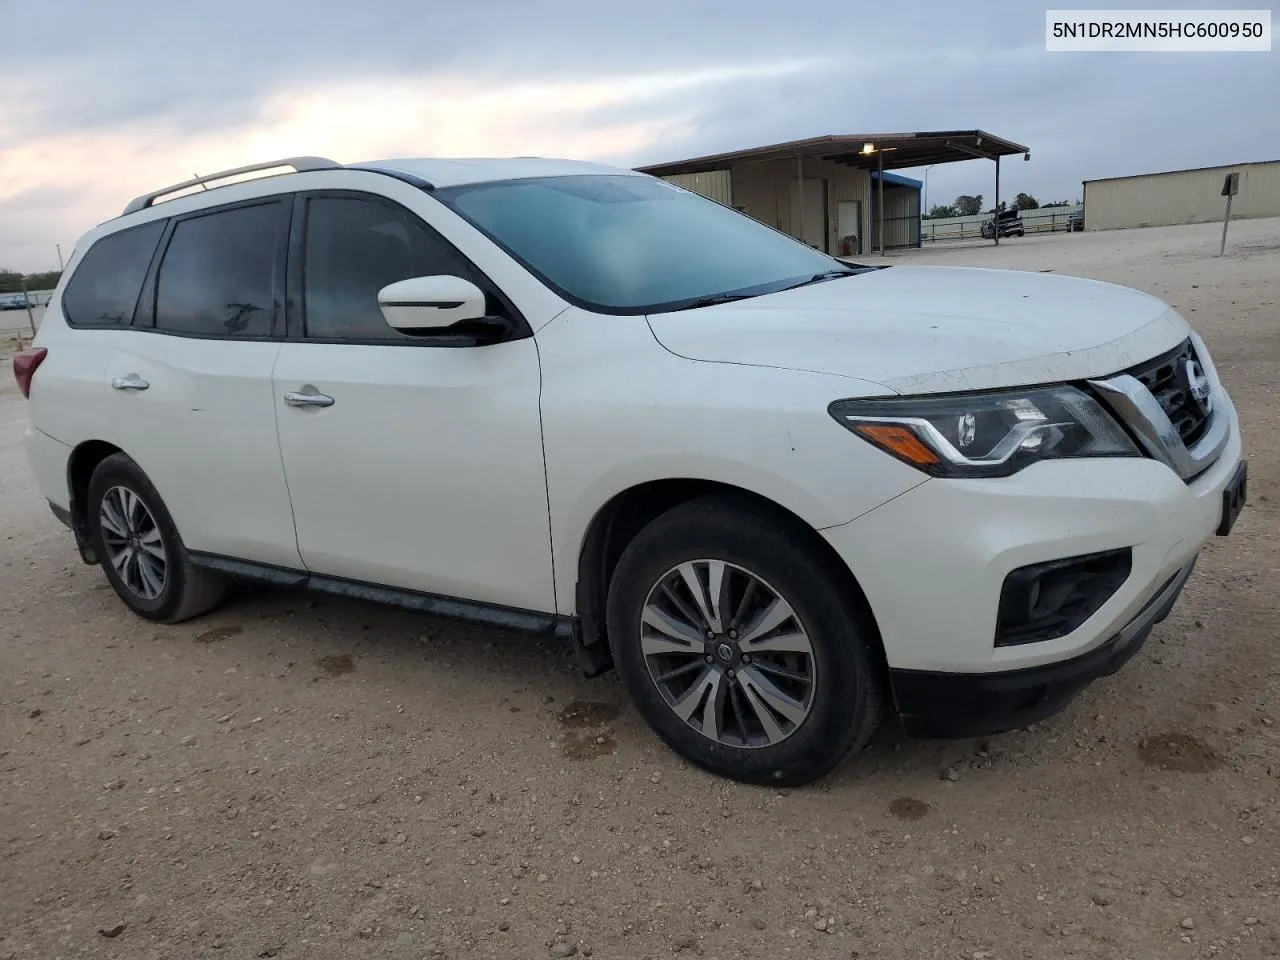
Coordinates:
column 298, row 777
column 15, row 322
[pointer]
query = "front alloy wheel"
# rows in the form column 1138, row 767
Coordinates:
column 728, row 654
column 742, row 642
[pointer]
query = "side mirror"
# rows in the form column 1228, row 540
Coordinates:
column 427, row 305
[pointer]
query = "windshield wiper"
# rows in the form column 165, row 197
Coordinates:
column 715, row 298
column 822, row 277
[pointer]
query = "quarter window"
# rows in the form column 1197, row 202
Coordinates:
column 217, row 276
column 354, row 248
column 103, row 291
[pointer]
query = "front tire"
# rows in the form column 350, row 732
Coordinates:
column 739, row 644
column 139, row 547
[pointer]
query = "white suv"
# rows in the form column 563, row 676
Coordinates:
column 780, row 493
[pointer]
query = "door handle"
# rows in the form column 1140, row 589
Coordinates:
column 131, row 382
column 308, row 400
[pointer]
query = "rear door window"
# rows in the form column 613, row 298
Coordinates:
column 219, row 273
column 103, row 291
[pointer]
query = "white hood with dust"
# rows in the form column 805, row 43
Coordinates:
column 934, row 329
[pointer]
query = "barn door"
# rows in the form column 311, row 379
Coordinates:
column 809, row 211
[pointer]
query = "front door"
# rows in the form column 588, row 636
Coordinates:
column 425, row 471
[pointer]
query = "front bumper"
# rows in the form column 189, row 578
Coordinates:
column 932, row 561
column 950, row 705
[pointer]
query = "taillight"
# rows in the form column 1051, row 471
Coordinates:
column 24, row 367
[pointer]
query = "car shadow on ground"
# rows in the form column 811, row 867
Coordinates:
column 417, row 655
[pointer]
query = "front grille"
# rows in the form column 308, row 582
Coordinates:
column 1166, row 378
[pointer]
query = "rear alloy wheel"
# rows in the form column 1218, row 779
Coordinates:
column 140, row 549
column 741, row 643
column 135, row 547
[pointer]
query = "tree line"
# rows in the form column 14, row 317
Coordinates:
column 966, row 205
column 11, row 281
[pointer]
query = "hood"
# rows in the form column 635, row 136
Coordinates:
column 934, row 329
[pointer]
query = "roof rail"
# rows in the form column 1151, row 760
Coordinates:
column 299, row 164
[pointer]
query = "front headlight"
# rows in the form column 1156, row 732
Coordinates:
column 987, row 434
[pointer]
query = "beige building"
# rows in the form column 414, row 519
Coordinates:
column 1181, row 196
column 823, row 190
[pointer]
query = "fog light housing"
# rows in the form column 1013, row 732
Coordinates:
column 1044, row 601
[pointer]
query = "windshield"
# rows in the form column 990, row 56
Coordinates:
column 630, row 244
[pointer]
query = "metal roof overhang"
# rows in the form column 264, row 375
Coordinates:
column 899, row 151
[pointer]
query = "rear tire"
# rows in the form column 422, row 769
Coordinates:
column 140, row 549
column 781, row 659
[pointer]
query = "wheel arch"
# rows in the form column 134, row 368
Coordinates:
column 84, row 459
column 625, row 514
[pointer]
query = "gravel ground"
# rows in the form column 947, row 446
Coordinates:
column 295, row 776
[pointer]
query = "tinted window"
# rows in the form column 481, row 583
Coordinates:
column 629, row 244
column 356, row 247
column 104, row 289
column 216, row 278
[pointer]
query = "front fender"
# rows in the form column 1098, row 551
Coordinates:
column 619, row 410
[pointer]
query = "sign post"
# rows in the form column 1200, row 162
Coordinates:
column 1230, row 187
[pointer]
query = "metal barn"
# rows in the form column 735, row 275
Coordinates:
column 902, row 227
column 1181, row 196
column 836, row 193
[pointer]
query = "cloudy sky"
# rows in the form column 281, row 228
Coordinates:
column 101, row 100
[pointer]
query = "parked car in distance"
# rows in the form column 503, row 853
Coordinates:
column 1075, row 221
column 1010, row 225
column 784, row 496
column 13, row 301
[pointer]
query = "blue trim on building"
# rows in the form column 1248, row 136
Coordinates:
column 897, row 180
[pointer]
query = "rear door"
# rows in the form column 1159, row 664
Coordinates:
column 189, row 384
column 81, row 329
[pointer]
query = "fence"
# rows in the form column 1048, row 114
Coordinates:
column 1040, row 220
column 21, row 315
